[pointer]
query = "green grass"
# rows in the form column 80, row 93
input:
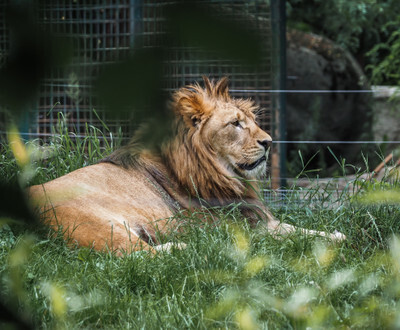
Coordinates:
column 64, row 152
column 229, row 276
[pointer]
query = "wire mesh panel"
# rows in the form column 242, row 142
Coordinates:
column 100, row 33
column 103, row 32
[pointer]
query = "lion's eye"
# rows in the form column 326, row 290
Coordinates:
column 236, row 123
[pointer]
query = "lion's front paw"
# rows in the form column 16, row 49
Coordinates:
column 338, row 236
column 167, row 247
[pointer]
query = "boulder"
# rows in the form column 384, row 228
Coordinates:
column 316, row 63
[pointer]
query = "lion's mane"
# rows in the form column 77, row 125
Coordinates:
column 186, row 164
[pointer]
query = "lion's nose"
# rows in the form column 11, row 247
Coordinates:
column 265, row 143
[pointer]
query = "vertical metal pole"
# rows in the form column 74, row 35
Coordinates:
column 132, row 22
column 25, row 121
column 278, row 25
column 282, row 96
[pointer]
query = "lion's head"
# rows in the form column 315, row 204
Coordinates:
column 217, row 140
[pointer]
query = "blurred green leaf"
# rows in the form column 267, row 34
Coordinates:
column 382, row 197
column 11, row 319
column 210, row 28
column 13, row 203
column 34, row 52
column 17, row 262
column 134, row 84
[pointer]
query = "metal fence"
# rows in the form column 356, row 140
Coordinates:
column 103, row 32
column 100, row 33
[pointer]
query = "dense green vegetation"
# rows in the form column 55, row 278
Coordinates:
column 367, row 28
column 229, row 276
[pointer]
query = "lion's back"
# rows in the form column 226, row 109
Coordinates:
column 101, row 193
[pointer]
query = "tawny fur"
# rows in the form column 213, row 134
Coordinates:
column 130, row 198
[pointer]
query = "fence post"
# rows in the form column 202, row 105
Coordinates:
column 278, row 25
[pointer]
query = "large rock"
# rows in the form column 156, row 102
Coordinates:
column 316, row 63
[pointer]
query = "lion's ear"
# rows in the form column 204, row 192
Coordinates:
column 208, row 85
column 221, row 88
column 193, row 109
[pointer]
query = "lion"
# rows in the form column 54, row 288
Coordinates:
column 215, row 157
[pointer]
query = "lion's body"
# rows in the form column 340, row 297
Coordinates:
column 215, row 155
column 104, row 204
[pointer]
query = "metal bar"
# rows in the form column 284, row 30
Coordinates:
column 336, row 142
column 278, row 24
column 311, row 91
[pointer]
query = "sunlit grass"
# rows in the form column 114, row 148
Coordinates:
column 64, row 152
column 228, row 276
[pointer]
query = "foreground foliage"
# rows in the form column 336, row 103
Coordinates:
column 229, row 276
